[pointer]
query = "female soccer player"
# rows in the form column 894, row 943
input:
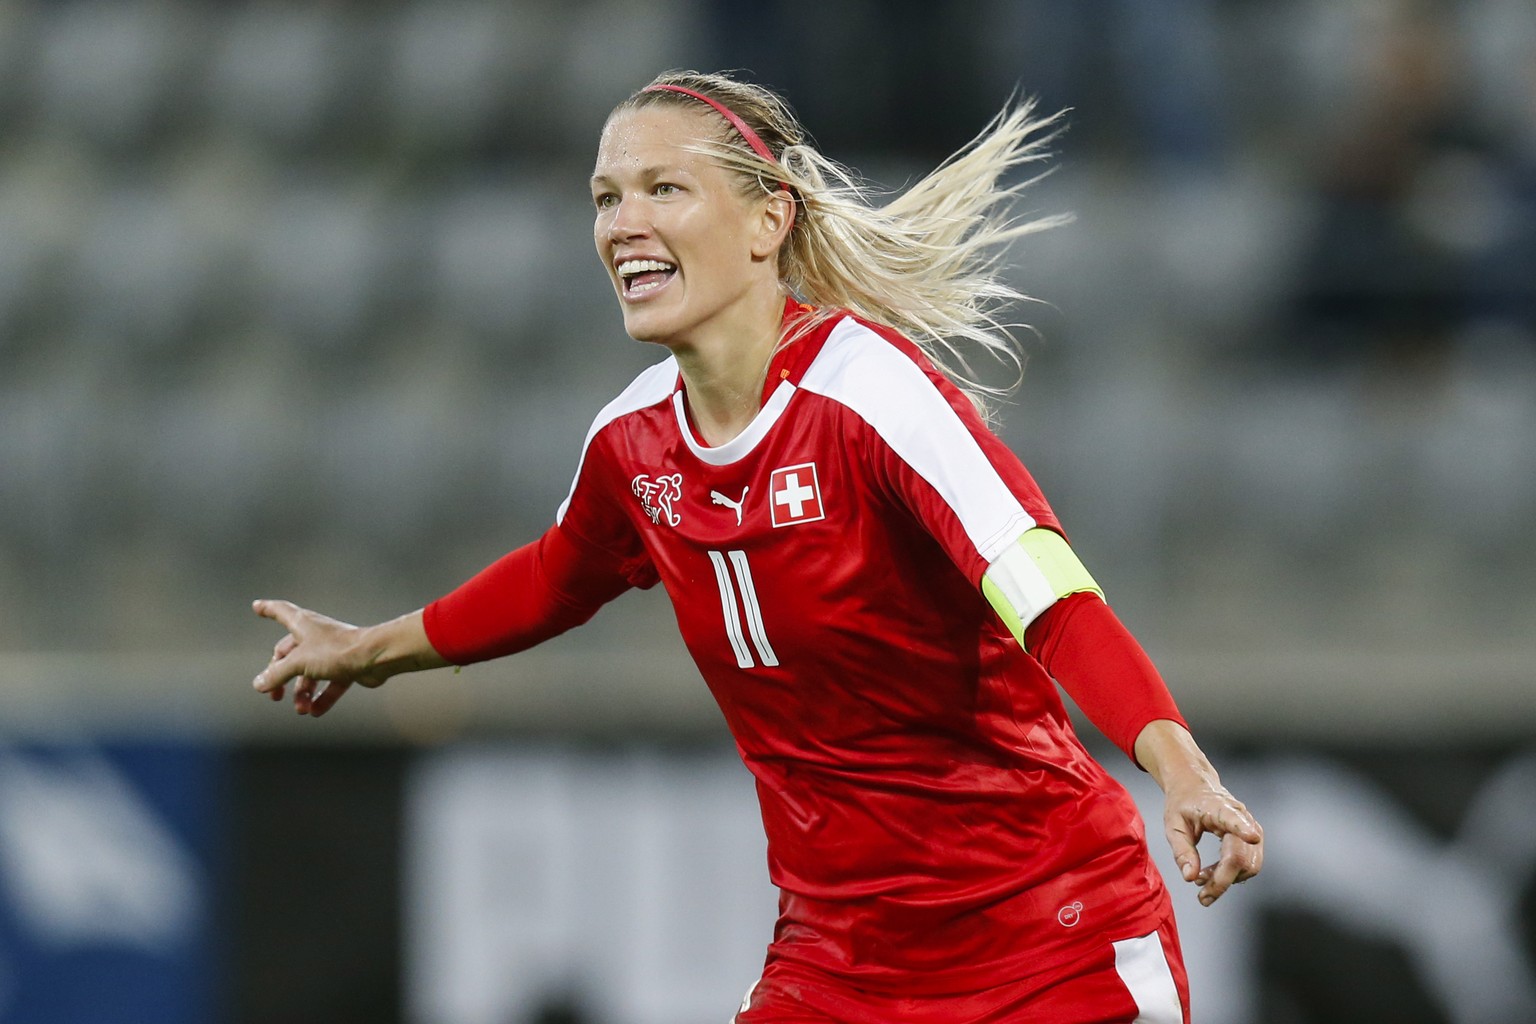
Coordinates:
column 872, row 585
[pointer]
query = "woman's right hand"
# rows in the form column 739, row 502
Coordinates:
column 317, row 650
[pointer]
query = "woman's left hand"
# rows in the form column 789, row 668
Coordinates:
column 1196, row 803
column 1198, row 807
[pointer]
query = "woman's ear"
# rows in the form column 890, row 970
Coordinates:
column 777, row 217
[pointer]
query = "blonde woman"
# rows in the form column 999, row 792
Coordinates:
column 871, row 584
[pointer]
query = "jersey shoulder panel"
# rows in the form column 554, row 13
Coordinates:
column 655, row 384
column 886, row 382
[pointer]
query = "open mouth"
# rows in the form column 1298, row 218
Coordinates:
column 642, row 276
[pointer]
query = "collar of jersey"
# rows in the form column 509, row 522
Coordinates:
column 788, row 366
column 738, row 446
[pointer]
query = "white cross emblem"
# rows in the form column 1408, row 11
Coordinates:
column 796, row 495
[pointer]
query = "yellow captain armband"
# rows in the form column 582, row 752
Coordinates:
column 1031, row 575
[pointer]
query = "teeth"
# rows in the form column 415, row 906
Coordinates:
column 631, row 267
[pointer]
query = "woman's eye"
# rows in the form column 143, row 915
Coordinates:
column 606, row 201
column 665, row 189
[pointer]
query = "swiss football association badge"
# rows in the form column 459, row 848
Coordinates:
column 657, row 496
column 794, row 495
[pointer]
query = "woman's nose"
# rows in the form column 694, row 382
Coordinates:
column 628, row 220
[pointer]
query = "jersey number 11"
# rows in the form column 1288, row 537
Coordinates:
column 734, row 563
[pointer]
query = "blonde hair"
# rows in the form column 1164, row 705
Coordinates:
column 926, row 263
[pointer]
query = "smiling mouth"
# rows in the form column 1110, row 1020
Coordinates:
column 642, row 276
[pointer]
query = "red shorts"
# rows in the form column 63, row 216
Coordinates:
column 1133, row 981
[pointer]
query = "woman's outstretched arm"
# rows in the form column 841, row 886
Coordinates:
column 525, row 597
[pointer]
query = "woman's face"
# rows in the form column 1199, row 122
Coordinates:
column 683, row 245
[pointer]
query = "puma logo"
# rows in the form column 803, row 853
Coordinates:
column 720, row 499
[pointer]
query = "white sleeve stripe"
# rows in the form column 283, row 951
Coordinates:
column 1022, row 582
column 654, row 384
column 862, row 371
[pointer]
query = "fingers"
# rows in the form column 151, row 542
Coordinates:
column 1182, row 837
column 1233, row 819
column 327, row 700
column 308, row 697
column 285, row 612
column 1242, row 843
column 1240, row 861
column 282, row 668
column 285, row 664
column 304, row 695
column 293, row 660
column 277, row 674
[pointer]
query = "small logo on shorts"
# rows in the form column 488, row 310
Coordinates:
column 1070, row 914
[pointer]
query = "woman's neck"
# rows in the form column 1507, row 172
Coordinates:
column 724, row 372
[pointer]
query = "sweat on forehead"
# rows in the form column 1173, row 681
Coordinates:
column 657, row 136
column 679, row 124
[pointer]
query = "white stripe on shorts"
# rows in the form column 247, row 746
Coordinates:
column 1144, row 970
column 746, row 1001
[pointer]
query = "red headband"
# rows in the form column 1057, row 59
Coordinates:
column 758, row 146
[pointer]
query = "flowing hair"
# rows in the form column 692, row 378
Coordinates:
column 926, row 263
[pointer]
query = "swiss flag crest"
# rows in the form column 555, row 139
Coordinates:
column 794, row 496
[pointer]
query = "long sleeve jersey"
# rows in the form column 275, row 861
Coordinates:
column 933, row 822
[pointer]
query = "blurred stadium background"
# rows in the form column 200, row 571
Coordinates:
column 297, row 299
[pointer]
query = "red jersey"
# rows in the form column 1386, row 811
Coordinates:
column 933, row 823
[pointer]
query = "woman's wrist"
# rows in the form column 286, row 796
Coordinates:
column 399, row 645
column 1169, row 754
